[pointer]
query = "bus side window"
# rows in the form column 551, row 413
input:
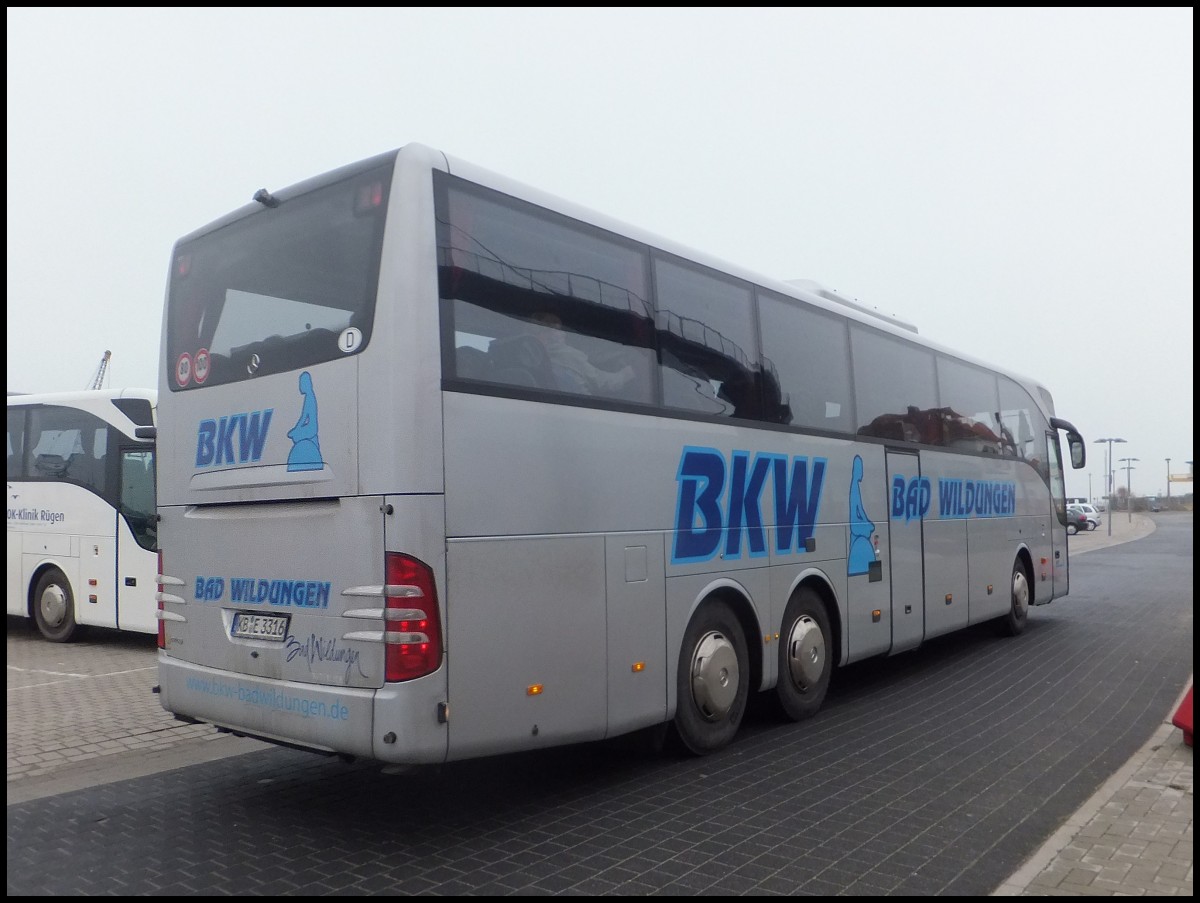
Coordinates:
column 894, row 382
column 807, row 362
column 705, row 340
column 137, row 496
column 504, row 264
column 16, row 443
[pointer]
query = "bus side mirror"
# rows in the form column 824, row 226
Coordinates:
column 1074, row 441
column 146, row 432
column 1078, row 450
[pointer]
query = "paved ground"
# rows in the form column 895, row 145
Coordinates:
column 84, row 713
column 1134, row 837
column 84, row 718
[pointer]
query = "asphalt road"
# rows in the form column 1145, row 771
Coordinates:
column 936, row 772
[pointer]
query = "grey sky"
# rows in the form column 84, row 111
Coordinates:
column 1017, row 182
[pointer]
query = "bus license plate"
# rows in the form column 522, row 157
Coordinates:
column 259, row 627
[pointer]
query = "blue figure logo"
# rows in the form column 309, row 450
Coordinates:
column 306, row 446
column 862, row 550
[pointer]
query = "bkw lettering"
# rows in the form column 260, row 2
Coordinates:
column 719, row 503
column 215, row 438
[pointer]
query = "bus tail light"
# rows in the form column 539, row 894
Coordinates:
column 369, row 197
column 412, row 628
column 162, row 625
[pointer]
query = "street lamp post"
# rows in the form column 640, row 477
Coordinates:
column 1128, row 490
column 1108, row 476
column 1168, row 484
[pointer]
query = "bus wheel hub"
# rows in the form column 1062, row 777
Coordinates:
column 53, row 605
column 805, row 653
column 714, row 676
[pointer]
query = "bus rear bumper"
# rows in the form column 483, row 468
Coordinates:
column 331, row 720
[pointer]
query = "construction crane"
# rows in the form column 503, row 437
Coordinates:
column 98, row 379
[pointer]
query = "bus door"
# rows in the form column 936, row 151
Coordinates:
column 137, row 538
column 906, row 549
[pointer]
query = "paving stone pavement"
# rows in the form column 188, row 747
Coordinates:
column 1132, row 838
column 61, row 711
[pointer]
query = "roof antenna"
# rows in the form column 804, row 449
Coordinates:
column 265, row 198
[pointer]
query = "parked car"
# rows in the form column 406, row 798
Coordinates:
column 1077, row 520
column 1093, row 515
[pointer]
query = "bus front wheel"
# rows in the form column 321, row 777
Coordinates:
column 54, row 607
column 1014, row 622
column 713, row 679
column 805, row 665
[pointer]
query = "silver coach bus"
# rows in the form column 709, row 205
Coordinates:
column 452, row 468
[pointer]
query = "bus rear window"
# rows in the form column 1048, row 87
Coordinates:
column 283, row 287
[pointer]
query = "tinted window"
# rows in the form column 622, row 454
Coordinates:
column 708, row 354
column 809, row 351
column 535, row 303
column 1023, row 427
column 136, row 409
column 894, row 390
column 970, row 407
column 285, row 287
column 68, row 445
column 137, row 496
column 533, row 300
column 16, row 443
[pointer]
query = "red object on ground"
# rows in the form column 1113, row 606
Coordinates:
column 1183, row 717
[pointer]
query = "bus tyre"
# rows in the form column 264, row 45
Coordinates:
column 54, row 607
column 1014, row 622
column 713, row 679
column 805, row 665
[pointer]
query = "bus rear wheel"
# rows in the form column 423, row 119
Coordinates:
column 1014, row 622
column 712, row 681
column 54, row 607
column 805, row 666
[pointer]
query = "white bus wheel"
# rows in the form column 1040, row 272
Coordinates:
column 54, row 607
column 805, row 662
column 713, row 679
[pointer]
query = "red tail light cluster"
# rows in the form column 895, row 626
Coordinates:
column 412, row 628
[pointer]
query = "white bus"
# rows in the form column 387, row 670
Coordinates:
column 452, row 468
column 82, row 525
